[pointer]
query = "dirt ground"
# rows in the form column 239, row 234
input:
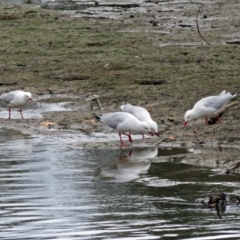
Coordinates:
column 154, row 58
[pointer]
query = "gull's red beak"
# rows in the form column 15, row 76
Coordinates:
column 185, row 123
column 157, row 134
column 151, row 133
column 30, row 99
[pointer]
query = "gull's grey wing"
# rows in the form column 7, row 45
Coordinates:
column 215, row 102
column 113, row 119
column 7, row 97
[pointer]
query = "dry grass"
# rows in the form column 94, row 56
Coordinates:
column 46, row 49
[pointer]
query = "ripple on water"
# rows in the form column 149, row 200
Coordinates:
column 51, row 191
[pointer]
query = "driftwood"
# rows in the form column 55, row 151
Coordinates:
column 232, row 168
column 214, row 119
column 95, row 98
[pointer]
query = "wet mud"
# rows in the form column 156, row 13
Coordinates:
column 150, row 55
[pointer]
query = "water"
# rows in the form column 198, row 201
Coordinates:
column 109, row 9
column 51, row 191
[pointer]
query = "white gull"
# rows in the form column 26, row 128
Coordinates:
column 141, row 114
column 16, row 99
column 209, row 106
column 123, row 122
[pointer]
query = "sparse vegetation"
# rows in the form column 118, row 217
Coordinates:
column 43, row 49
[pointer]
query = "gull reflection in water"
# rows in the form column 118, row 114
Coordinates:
column 130, row 164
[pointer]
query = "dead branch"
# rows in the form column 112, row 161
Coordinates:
column 199, row 28
column 231, row 105
column 214, row 119
column 232, row 168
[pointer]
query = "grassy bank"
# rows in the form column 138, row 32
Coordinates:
column 44, row 49
column 165, row 67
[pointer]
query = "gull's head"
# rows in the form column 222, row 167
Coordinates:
column 124, row 106
column 153, row 128
column 189, row 116
column 28, row 96
column 145, row 128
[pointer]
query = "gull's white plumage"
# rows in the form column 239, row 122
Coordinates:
column 208, row 106
column 141, row 114
column 16, row 99
column 123, row 122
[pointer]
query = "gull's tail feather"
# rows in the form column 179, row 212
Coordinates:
column 97, row 117
column 122, row 107
column 223, row 92
column 234, row 94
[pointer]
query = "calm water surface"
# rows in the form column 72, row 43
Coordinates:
column 49, row 190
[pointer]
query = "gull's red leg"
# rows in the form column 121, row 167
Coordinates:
column 21, row 113
column 9, row 113
column 122, row 143
column 129, row 136
column 206, row 120
column 130, row 153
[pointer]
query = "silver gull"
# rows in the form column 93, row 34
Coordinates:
column 16, row 99
column 141, row 114
column 123, row 122
column 209, row 106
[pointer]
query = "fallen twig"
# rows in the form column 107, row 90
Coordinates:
column 199, row 28
column 99, row 104
column 214, row 119
column 231, row 105
column 163, row 139
column 8, row 84
column 232, row 168
column 95, row 98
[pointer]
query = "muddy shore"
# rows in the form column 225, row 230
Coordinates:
column 154, row 58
